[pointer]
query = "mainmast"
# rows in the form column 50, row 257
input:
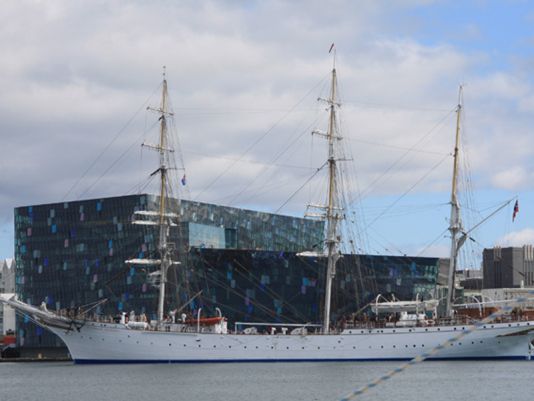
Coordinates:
column 331, row 211
column 455, row 224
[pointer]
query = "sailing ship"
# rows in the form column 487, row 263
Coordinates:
column 186, row 339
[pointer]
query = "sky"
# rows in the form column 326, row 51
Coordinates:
column 244, row 78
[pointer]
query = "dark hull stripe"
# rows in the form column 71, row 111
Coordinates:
column 152, row 361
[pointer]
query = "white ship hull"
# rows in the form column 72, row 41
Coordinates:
column 114, row 343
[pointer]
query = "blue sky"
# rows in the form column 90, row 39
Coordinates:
column 75, row 73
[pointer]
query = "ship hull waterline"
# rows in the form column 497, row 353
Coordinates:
column 114, row 343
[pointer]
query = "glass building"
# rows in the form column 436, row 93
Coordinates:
column 72, row 254
column 265, row 286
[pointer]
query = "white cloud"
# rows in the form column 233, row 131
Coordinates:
column 518, row 238
column 434, row 251
column 75, row 72
column 511, row 179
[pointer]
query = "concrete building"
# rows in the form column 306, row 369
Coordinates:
column 469, row 279
column 511, row 267
column 7, row 286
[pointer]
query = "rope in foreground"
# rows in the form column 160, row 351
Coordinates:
column 502, row 310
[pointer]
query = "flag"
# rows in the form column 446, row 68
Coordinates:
column 331, row 47
column 516, row 209
column 183, row 180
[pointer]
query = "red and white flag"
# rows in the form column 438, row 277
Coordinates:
column 516, row 209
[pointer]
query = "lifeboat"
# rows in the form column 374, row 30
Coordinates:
column 205, row 321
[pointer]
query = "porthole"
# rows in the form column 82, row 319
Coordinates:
column 170, row 344
column 455, row 329
column 257, row 347
column 381, row 346
column 214, row 346
column 245, row 347
column 302, row 347
column 353, row 347
column 394, row 346
column 286, row 347
column 414, row 345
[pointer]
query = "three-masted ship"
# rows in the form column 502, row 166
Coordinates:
column 209, row 340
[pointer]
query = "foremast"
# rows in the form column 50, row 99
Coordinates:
column 455, row 223
column 165, row 248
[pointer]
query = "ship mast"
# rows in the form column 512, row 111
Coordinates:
column 455, row 223
column 163, row 226
column 331, row 212
column 160, row 218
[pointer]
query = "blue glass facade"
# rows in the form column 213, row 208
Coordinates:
column 282, row 286
column 244, row 262
column 71, row 254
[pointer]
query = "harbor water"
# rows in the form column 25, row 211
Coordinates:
column 436, row 381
